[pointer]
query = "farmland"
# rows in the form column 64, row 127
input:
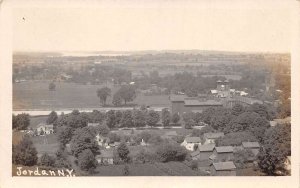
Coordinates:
column 45, row 144
column 36, row 95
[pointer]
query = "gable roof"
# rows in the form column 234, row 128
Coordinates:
column 177, row 98
column 213, row 135
column 229, row 165
column 250, row 144
column 193, row 139
column 206, row 147
column 224, row 149
column 195, row 153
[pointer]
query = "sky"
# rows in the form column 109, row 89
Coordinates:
column 132, row 28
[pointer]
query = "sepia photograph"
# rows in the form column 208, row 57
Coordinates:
column 100, row 92
column 162, row 88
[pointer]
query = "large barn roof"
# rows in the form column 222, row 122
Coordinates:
column 229, row 165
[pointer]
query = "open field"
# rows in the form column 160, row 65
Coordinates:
column 35, row 95
column 46, row 144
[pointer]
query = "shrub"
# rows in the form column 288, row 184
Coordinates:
column 171, row 152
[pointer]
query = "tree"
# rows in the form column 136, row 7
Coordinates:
column 248, row 121
column 127, row 120
column 189, row 123
column 20, row 121
column 123, row 152
column 103, row 129
column 237, row 109
column 25, row 153
column 87, row 161
column 103, row 93
column 165, row 117
column 47, row 160
column 117, row 99
column 236, row 139
column 52, row 118
column 83, row 139
column 127, row 93
column 113, row 137
column 139, row 119
column 118, row 116
column 97, row 116
column 171, row 152
column 152, row 118
column 110, row 119
column 175, row 118
column 262, row 110
column 241, row 157
column 219, row 122
column 258, row 127
column 64, row 135
column 276, row 148
column 62, row 159
column 52, row 86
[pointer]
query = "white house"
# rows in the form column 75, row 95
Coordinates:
column 189, row 142
column 43, row 129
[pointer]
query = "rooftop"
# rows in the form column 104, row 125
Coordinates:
column 177, row 98
column 206, row 147
column 193, row 139
column 229, row 165
column 250, row 144
column 213, row 135
column 195, row 153
column 224, row 149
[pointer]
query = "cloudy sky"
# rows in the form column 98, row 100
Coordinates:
column 159, row 26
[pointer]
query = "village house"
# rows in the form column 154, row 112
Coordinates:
column 252, row 146
column 223, row 169
column 222, row 153
column 206, row 151
column 189, row 142
column 210, row 138
column 101, row 140
column 43, row 129
column 203, row 152
column 106, row 157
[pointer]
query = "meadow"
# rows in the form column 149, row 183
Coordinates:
column 36, row 95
